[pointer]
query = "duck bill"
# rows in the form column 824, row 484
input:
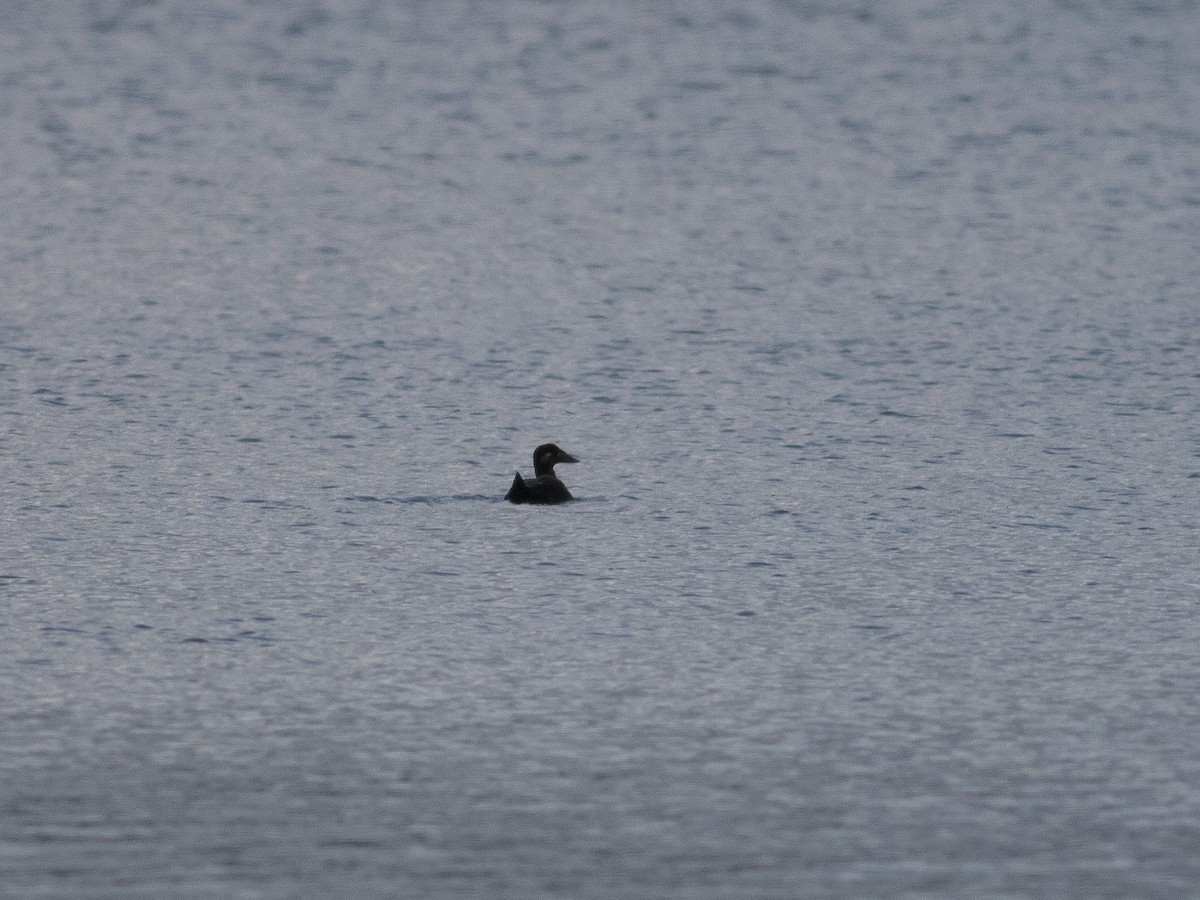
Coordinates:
column 566, row 457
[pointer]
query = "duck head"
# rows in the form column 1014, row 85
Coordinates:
column 547, row 456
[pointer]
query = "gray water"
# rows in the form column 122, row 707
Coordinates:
column 876, row 329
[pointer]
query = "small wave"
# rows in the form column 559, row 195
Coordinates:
column 427, row 500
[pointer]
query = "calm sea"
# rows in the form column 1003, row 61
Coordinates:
column 875, row 327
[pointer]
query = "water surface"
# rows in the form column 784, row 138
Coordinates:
column 875, row 331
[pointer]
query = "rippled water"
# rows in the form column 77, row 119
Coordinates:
column 875, row 328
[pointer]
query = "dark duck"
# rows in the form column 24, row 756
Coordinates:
column 544, row 487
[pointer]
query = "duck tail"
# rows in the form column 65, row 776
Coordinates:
column 518, row 492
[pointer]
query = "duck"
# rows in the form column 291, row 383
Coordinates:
column 544, row 487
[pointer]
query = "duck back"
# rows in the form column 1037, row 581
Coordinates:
column 545, row 489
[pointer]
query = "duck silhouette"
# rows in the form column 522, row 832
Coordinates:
column 544, row 487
